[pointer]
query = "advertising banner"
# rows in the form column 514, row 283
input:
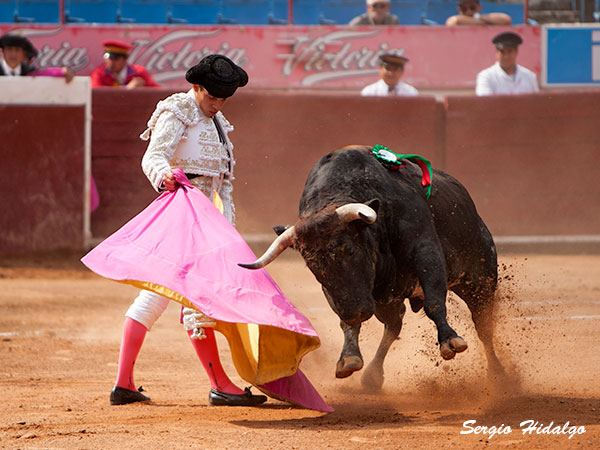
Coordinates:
column 571, row 55
column 287, row 57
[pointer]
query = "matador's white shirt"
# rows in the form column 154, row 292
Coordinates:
column 494, row 80
column 381, row 89
column 181, row 135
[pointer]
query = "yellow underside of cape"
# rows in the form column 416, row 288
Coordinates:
column 260, row 353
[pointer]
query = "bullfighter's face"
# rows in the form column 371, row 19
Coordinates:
column 209, row 104
column 343, row 262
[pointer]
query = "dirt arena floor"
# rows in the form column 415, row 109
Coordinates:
column 60, row 328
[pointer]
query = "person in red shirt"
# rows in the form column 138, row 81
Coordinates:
column 117, row 72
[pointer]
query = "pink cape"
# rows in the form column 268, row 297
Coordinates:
column 183, row 248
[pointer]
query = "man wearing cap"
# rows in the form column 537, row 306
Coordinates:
column 469, row 13
column 378, row 13
column 117, row 72
column 188, row 131
column 506, row 76
column 17, row 55
column 391, row 69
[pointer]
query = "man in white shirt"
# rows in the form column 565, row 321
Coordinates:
column 391, row 71
column 506, row 76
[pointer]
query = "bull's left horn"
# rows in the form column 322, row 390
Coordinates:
column 355, row 211
column 283, row 241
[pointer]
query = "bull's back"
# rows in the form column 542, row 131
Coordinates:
column 466, row 241
column 352, row 174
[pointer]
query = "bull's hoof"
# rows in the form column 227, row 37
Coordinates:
column 458, row 344
column 347, row 366
column 372, row 378
column 449, row 348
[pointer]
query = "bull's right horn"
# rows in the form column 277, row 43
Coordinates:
column 282, row 242
column 355, row 211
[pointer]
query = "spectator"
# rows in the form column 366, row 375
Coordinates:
column 391, row 71
column 17, row 55
column 506, row 76
column 469, row 13
column 378, row 13
column 117, row 72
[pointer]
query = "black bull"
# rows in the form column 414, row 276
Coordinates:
column 372, row 239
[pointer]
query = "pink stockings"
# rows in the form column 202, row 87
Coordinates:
column 131, row 344
column 206, row 349
column 208, row 353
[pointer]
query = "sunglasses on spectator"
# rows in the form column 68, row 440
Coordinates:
column 380, row 5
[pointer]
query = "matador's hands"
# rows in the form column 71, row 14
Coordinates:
column 169, row 181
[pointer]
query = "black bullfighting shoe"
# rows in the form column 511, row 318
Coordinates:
column 217, row 398
column 122, row 396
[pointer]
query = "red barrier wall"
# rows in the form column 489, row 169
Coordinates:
column 529, row 161
column 277, row 138
column 42, row 156
column 119, row 117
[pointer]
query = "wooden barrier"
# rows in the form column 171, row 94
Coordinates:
column 119, row 118
column 44, row 156
column 530, row 162
column 42, row 182
column 277, row 138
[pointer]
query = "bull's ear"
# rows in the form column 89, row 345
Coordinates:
column 374, row 204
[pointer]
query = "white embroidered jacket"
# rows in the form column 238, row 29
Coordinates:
column 181, row 135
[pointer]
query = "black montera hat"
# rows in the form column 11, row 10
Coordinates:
column 13, row 40
column 219, row 75
column 507, row 39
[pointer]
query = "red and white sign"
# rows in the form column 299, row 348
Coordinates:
column 288, row 57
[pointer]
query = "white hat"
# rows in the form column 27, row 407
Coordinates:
column 370, row 2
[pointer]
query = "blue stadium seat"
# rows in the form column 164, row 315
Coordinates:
column 339, row 12
column 96, row 11
column 409, row 13
column 253, row 12
column 38, row 11
column 143, row 11
column 193, row 11
column 7, row 10
column 246, row 12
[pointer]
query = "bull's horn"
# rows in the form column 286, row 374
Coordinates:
column 355, row 211
column 282, row 242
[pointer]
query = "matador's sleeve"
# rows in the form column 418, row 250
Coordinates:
column 165, row 137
